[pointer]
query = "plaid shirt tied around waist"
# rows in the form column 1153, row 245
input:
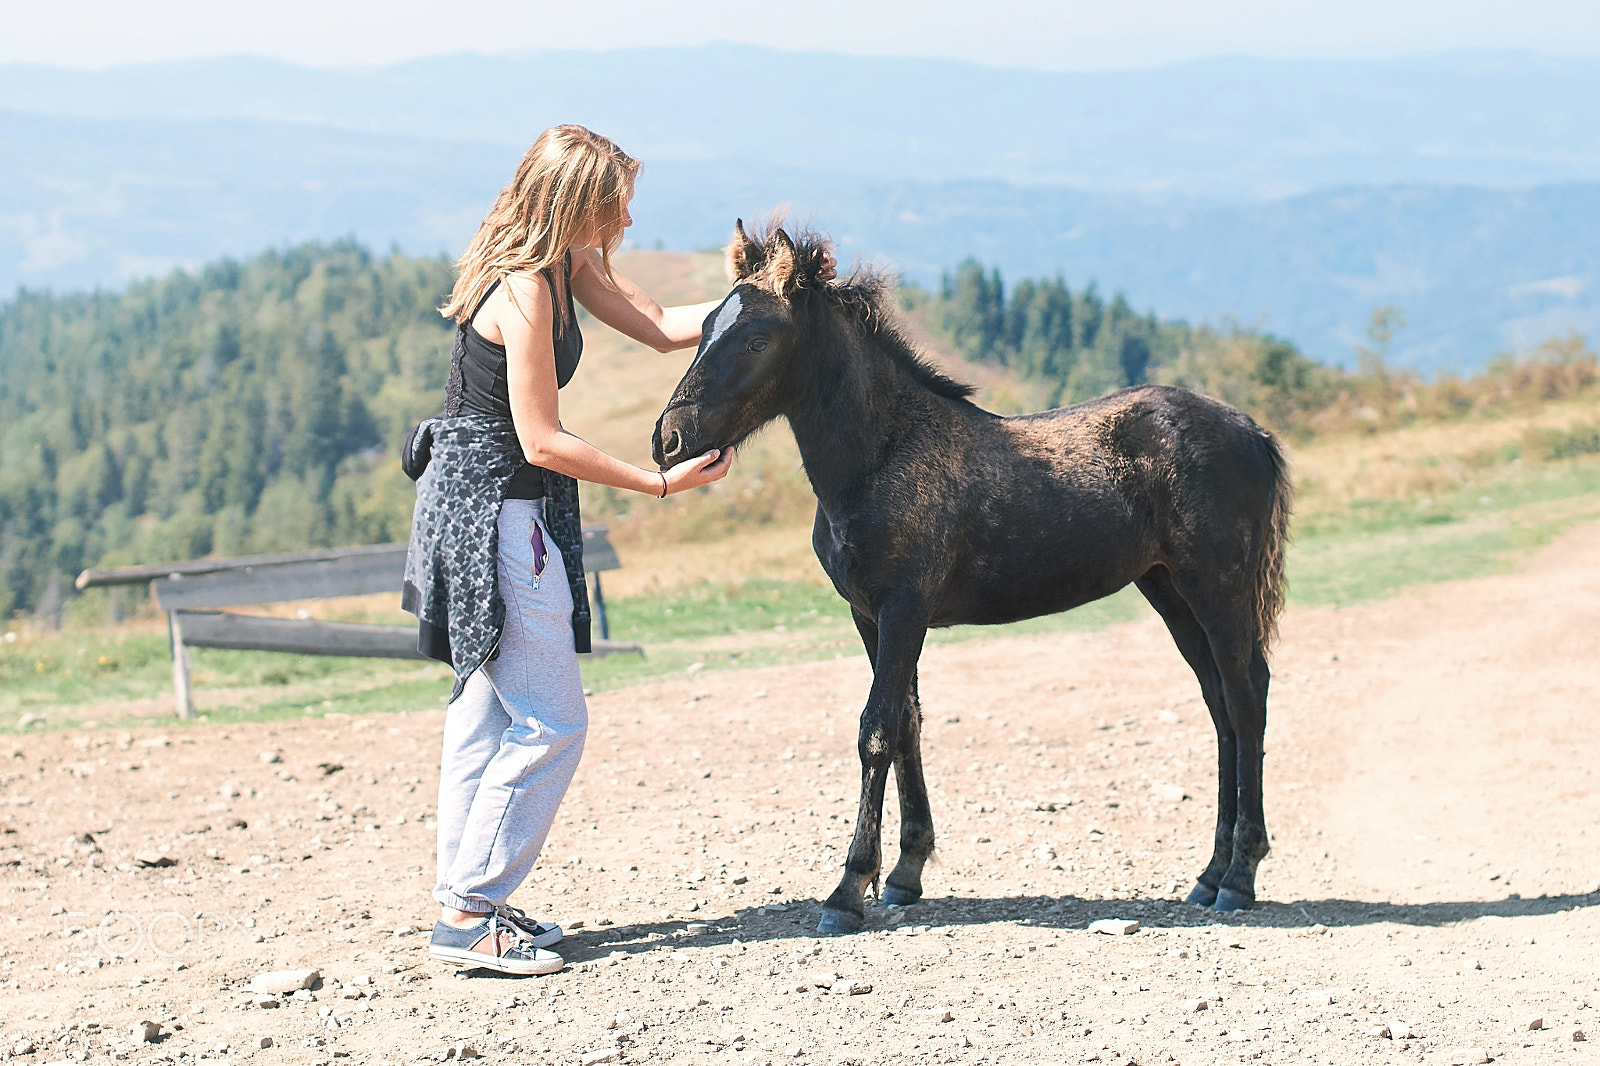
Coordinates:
column 452, row 574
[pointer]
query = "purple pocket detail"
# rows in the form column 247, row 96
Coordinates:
column 539, row 551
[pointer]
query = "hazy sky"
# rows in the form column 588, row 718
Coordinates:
column 1056, row 34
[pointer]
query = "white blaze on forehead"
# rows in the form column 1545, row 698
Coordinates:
column 726, row 317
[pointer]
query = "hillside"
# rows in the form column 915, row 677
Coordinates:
column 256, row 406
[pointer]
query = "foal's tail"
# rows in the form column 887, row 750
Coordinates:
column 1270, row 585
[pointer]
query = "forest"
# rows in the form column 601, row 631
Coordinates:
column 247, row 407
column 257, row 406
column 1077, row 345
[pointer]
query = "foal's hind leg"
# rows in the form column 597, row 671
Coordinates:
column 1192, row 643
column 895, row 643
column 1245, row 677
column 904, row 883
column 1227, row 616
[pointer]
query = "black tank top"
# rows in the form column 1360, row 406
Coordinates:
column 479, row 386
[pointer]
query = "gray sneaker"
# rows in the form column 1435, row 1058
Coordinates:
column 540, row 934
column 492, row 944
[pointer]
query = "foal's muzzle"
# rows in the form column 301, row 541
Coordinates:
column 675, row 437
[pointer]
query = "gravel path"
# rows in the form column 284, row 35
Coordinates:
column 1434, row 888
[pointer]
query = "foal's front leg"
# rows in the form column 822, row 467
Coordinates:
column 904, row 883
column 903, row 886
column 901, row 624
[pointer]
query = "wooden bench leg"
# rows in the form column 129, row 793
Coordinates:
column 180, row 667
column 600, row 608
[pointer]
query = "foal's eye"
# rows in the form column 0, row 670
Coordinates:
column 757, row 345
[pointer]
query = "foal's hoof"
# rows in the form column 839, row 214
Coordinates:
column 898, row 897
column 1228, row 900
column 838, row 922
column 1201, row 896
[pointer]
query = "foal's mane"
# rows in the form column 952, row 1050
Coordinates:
column 867, row 297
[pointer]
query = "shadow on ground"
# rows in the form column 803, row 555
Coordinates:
column 798, row 918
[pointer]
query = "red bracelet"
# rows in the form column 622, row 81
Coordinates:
column 663, row 484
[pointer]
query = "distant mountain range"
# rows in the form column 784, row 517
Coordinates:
column 1297, row 194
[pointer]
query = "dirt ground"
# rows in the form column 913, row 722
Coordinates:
column 1434, row 884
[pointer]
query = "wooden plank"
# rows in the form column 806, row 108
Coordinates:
column 355, row 576
column 240, row 632
column 207, row 629
column 598, row 648
column 598, row 554
column 138, row 575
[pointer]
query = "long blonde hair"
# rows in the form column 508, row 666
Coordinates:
column 571, row 177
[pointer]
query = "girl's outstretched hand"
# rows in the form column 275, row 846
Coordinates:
column 701, row 470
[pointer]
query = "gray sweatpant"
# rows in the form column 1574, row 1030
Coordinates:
column 513, row 738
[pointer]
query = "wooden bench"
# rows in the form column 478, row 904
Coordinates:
column 192, row 594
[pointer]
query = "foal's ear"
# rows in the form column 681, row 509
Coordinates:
column 744, row 256
column 783, row 265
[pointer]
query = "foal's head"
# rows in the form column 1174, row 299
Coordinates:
column 747, row 370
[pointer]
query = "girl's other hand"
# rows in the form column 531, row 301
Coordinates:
column 830, row 266
column 701, row 470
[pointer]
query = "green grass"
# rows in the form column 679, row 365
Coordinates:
column 1338, row 557
column 1377, row 548
column 718, row 609
column 119, row 676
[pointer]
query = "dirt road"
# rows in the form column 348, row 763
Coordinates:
column 1434, row 884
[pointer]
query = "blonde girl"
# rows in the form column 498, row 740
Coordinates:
column 494, row 572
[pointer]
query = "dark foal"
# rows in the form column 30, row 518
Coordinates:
column 934, row 512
